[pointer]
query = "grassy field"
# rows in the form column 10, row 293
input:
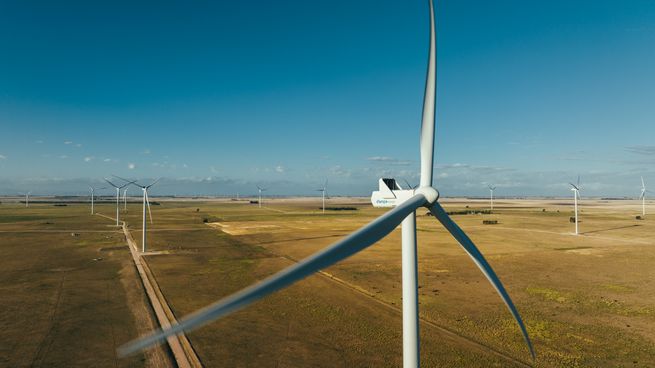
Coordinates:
column 69, row 293
column 588, row 301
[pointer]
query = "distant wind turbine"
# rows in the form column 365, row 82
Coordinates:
column 260, row 194
column 146, row 202
column 643, row 197
column 27, row 198
column 491, row 196
column 323, row 191
column 404, row 212
column 92, row 195
column 118, row 193
column 125, row 200
column 576, row 195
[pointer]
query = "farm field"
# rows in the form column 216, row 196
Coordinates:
column 588, row 301
column 70, row 295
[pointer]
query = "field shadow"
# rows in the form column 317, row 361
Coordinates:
column 299, row 239
column 610, row 229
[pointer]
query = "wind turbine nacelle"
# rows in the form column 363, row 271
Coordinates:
column 390, row 194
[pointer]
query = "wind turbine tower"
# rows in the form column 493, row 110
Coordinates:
column 576, row 195
column 118, row 194
column 146, row 202
column 323, row 190
column 491, row 196
column 643, row 197
column 260, row 189
column 92, row 195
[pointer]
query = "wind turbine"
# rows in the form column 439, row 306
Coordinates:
column 146, row 201
column 125, row 200
column 260, row 194
column 404, row 212
column 576, row 195
column 92, row 195
column 323, row 190
column 118, row 193
column 27, row 198
column 491, row 196
column 643, row 197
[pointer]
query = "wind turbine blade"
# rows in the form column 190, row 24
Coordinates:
column 482, row 264
column 123, row 179
column 148, row 203
column 429, row 99
column 574, row 186
column 578, row 180
column 643, row 185
column 110, row 183
column 153, row 183
column 340, row 250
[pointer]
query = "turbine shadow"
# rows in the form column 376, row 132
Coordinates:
column 299, row 239
column 610, row 229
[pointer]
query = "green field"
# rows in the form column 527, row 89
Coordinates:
column 588, row 301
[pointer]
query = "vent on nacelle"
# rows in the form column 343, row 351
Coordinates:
column 391, row 183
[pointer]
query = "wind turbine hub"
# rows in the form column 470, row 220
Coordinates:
column 430, row 194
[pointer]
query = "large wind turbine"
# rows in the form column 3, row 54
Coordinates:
column 118, row 194
column 146, row 202
column 404, row 212
column 575, row 188
column 491, row 196
column 260, row 189
column 323, row 190
column 92, row 195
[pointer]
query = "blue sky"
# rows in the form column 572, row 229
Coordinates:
column 220, row 96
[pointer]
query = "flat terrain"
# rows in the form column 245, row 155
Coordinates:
column 69, row 295
column 588, row 300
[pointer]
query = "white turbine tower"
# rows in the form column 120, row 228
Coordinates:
column 92, row 195
column 125, row 200
column 491, row 196
column 575, row 188
column 323, row 191
column 260, row 189
column 146, row 202
column 643, row 197
column 118, row 194
column 27, row 198
column 404, row 212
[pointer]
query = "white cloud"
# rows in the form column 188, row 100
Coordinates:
column 146, row 151
column 641, row 150
column 279, row 169
column 389, row 160
column 63, row 156
column 39, row 141
column 88, row 158
column 68, row 142
column 3, row 157
column 131, row 166
column 78, row 145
